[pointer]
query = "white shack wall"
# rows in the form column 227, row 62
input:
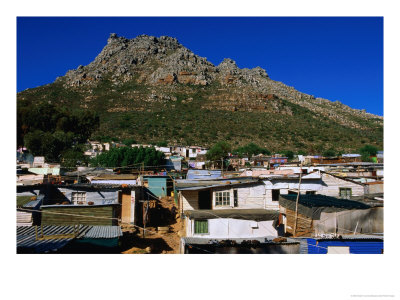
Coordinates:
column 189, row 200
column 29, row 193
column 97, row 197
column 284, row 186
column 233, row 228
column 248, row 197
column 331, row 186
column 257, row 197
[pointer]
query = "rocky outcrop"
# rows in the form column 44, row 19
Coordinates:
column 163, row 63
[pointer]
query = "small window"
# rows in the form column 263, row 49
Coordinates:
column 222, row 198
column 200, row 226
column 275, row 195
column 345, row 193
column 78, row 198
column 310, row 192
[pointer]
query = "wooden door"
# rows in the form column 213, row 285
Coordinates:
column 126, row 208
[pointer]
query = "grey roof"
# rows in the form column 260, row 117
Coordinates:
column 312, row 205
column 342, row 237
column 34, row 203
column 26, row 236
column 90, row 171
column 242, row 214
column 354, row 237
column 206, row 184
column 93, row 186
column 104, row 232
column 203, row 174
column 352, row 164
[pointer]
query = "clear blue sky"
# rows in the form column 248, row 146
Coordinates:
column 333, row 58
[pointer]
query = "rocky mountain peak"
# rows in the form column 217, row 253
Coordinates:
column 160, row 62
column 228, row 65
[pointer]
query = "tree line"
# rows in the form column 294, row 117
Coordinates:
column 57, row 134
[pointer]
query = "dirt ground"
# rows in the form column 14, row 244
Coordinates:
column 157, row 242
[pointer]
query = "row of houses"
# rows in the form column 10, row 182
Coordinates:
column 248, row 211
column 257, row 213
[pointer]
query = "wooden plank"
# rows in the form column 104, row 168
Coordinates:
column 85, row 215
column 126, row 208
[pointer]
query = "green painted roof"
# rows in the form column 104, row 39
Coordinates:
column 22, row 200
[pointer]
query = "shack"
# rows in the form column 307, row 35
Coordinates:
column 159, row 186
column 318, row 214
column 68, row 239
column 103, row 214
column 264, row 245
column 342, row 244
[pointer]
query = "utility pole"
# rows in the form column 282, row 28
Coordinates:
column 297, row 202
column 222, row 167
column 145, row 213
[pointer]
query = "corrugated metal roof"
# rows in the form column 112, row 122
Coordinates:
column 322, row 201
column 32, row 204
column 206, row 184
column 26, row 236
column 203, row 174
column 116, row 177
column 303, row 244
column 356, row 246
column 115, row 182
column 313, row 205
column 92, row 186
column 104, row 232
column 353, row 237
column 241, row 214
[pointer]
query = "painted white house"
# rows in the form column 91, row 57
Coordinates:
column 234, row 208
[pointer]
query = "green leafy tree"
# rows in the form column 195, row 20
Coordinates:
column 129, row 141
column 126, row 156
column 250, row 150
column 218, row 151
column 329, row 153
column 48, row 131
column 73, row 157
column 367, row 151
column 289, row 154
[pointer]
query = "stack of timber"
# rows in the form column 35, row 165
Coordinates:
column 106, row 215
column 24, row 218
column 304, row 225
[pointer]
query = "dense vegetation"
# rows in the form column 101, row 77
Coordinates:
column 55, row 132
column 127, row 156
column 219, row 151
column 367, row 151
column 251, row 149
column 182, row 118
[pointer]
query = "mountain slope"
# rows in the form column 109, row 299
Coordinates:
column 155, row 89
